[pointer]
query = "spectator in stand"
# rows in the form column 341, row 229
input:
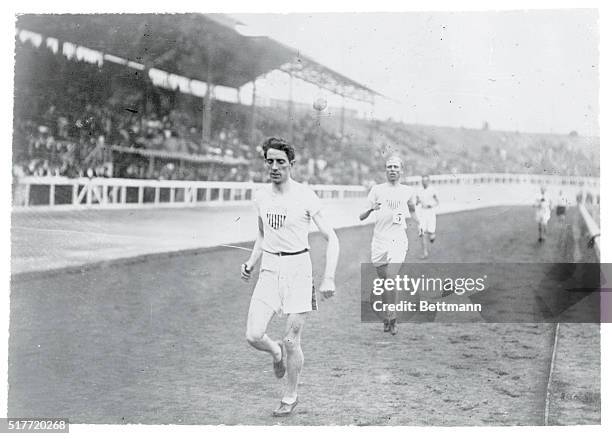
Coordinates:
column 172, row 142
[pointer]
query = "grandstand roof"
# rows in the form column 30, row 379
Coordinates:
column 190, row 45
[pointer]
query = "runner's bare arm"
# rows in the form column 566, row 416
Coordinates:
column 435, row 197
column 328, row 287
column 365, row 214
column 412, row 205
column 247, row 268
column 428, row 206
column 412, row 210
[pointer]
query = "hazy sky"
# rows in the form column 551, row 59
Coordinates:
column 530, row 71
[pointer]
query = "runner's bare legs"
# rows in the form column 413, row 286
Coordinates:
column 390, row 296
column 295, row 356
column 259, row 317
column 425, row 245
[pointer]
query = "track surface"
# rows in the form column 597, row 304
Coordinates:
column 52, row 240
column 162, row 341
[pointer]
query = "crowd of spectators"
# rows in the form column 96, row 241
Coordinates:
column 323, row 155
column 67, row 119
column 441, row 150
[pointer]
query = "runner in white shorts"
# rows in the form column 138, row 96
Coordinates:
column 284, row 211
column 562, row 203
column 543, row 207
column 393, row 203
column 427, row 202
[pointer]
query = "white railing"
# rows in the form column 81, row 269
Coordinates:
column 533, row 179
column 592, row 227
column 57, row 193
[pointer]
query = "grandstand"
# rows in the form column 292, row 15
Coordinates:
column 94, row 100
column 105, row 110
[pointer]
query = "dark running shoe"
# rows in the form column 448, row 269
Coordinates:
column 280, row 366
column 386, row 326
column 393, row 327
column 284, row 409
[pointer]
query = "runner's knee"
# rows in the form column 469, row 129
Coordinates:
column 381, row 270
column 292, row 338
column 291, row 342
column 254, row 336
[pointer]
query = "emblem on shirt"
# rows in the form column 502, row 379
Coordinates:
column 276, row 218
column 393, row 204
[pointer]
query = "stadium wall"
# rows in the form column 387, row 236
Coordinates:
column 456, row 192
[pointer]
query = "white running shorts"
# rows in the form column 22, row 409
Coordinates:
column 285, row 283
column 427, row 221
column 389, row 252
column 542, row 216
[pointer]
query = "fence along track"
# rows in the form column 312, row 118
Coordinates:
column 593, row 231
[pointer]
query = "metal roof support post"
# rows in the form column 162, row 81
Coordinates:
column 318, row 139
column 144, row 102
column 151, row 167
column 342, row 116
column 253, row 116
column 112, row 162
column 371, row 124
column 207, row 110
column 207, row 114
column 290, row 109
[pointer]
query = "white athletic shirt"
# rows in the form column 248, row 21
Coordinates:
column 426, row 196
column 562, row 200
column 286, row 217
column 390, row 218
column 543, row 202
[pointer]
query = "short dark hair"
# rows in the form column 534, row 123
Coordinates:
column 280, row 144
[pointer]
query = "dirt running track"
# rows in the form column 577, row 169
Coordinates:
column 162, row 341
